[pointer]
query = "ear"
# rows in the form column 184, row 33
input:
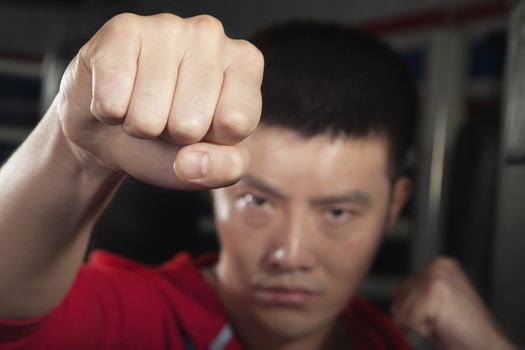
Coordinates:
column 401, row 192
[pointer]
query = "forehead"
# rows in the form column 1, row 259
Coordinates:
column 323, row 162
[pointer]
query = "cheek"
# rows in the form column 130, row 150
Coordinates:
column 347, row 262
column 241, row 253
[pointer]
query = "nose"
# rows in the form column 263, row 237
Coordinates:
column 292, row 242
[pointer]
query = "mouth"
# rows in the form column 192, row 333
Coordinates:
column 283, row 295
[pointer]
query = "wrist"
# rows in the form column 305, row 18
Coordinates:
column 80, row 160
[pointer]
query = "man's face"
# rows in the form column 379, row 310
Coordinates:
column 298, row 233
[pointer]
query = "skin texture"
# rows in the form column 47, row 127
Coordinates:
column 170, row 81
column 310, row 214
column 169, row 100
column 161, row 98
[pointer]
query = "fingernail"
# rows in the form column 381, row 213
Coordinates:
column 194, row 165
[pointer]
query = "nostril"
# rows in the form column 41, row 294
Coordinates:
column 279, row 254
column 276, row 258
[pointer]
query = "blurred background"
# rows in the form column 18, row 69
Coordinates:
column 468, row 57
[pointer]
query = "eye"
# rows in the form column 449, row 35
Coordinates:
column 337, row 215
column 256, row 200
column 337, row 212
column 252, row 200
column 254, row 210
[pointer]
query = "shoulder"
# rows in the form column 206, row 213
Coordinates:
column 178, row 282
column 114, row 270
column 179, row 285
column 181, row 262
column 105, row 260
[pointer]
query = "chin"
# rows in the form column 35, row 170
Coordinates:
column 289, row 323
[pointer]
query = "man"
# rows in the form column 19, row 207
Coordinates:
column 168, row 100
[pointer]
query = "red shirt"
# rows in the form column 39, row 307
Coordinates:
column 116, row 303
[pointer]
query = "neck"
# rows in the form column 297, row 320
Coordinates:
column 334, row 336
column 255, row 336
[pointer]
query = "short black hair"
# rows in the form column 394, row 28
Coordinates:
column 327, row 78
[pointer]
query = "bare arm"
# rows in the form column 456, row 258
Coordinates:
column 161, row 98
column 48, row 207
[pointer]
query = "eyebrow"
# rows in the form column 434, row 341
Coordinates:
column 356, row 197
column 262, row 186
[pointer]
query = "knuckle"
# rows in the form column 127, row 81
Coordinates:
column 167, row 17
column 251, row 54
column 168, row 22
column 122, row 22
column 444, row 263
column 209, row 25
column 142, row 127
column 108, row 111
column 107, row 91
column 436, row 281
column 186, row 130
column 234, row 123
column 437, row 289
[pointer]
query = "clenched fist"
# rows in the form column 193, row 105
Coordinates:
column 164, row 99
column 440, row 303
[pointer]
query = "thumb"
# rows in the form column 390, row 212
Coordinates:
column 207, row 165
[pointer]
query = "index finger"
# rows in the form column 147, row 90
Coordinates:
column 111, row 57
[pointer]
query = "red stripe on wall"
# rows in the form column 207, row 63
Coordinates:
column 439, row 16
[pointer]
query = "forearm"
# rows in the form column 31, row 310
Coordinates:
column 48, row 205
column 129, row 102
